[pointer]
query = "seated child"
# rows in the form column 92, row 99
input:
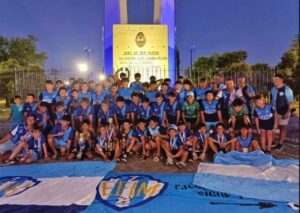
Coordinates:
column 245, row 141
column 83, row 143
column 61, row 137
column 219, row 140
column 32, row 149
column 200, row 138
column 173, row 148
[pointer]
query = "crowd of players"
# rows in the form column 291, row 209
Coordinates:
column 116, row 119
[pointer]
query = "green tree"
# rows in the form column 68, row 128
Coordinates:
column 18, row 54
column 289, row 66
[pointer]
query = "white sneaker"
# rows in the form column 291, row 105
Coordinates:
column 170, row 161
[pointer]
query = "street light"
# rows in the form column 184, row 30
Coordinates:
column 83, row 67
column 101, row 77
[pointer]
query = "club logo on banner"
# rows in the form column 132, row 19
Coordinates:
column 127, row 191
column 13, row 185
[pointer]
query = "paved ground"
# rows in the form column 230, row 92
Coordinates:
column 290, row 150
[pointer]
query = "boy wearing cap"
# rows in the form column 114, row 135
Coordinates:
column 173, row 148
column 190, row 110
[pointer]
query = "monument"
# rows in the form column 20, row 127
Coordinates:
column 145, row 48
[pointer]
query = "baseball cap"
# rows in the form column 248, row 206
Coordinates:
column 190, row 93
column 173, row 127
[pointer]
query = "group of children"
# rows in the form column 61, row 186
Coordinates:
column 115, row 120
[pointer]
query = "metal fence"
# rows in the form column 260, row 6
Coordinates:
column 33, row 81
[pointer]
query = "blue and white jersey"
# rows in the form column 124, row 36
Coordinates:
column 155, row 131
column 58, row 116
column 281, row 98
column 134, row 108
column 17, row 132
column 100, row 140
column 137, row 86
column 29, row 108
column 140, row 133
column 222, row 139
column 87, row 95
column 184, row 135
column 68, row 133
column 210, row 110
column 48, row 97
column 85, row 113
column 76, row 103
column 98, row 98
column 105, row 116
column 121, row 112
column 37, row 145
column 66, row 101
column 181, row 97
column 126, row 92
column 158, row 111
column 264, row 114
column 200, row 93
column 151, row 96
column 245, row 95
column 171, row 110
column 112, row 99
column 144, row 113
column 244, row 142
column 175, row 143
column 200, row 137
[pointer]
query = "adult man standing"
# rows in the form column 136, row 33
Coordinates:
column 282, row 97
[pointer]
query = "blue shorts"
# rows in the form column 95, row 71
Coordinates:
column 7, row 146
column 210, row 124
column 60, row 144
column 34, row 155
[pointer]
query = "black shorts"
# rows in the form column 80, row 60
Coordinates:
column 266, row 124
column 191, row 120
column 171, row 119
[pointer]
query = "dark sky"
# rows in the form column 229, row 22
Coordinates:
column 264, row 28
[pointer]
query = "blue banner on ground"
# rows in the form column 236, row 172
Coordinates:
column 128, row 192
column 55, row 187
column 253, row 175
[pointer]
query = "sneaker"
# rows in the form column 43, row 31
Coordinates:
column 195, row 156
column 279, row 147
column 156, row 159
column 170, row 161
column 9, row 162
column 124, row 159
column 180, row 165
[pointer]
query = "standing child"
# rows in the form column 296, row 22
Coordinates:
column 157, row 110
column 144, row 109
column 266, row 122
column 172, row 109
column 83, row 112
column 121, row 112
column 16, row 116
column 59, row 112
column 134, row 106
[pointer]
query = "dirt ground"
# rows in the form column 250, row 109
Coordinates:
column 134, row 164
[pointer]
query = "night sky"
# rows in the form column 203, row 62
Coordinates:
column 264, row 28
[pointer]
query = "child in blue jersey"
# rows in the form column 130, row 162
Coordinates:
column 168, row 82
column 151, row 92
column 134, row 106
column 101, row 148
column 30, row 105
column 59, row 112
column 164, row 90
column 180, row 93
column 245, row 141
column 188, row 87
column 201, row 90
column 48, row 95
column 121, row 111
column 91, row 86
column 174, row 148
column 186, row 138
column 63, row 97
column 125, row 91
column 58, row 84
column 127, row 140
column 210, row 110
column 155, row 134
column 42, row 117
column 9, row 142
column 99, row 95
column 219, row 140
column 85, row 93
column 61, row 137
column 16, row 116
column 105, row 113
column 83, row 143
column 112, row 95
column 84, row 112
column 200, row 142
column 266, row 121
column 32, row 149
column 141, row 133
column 137, row 85
column 144, row 109
column 157, row 110
column 172, row 109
